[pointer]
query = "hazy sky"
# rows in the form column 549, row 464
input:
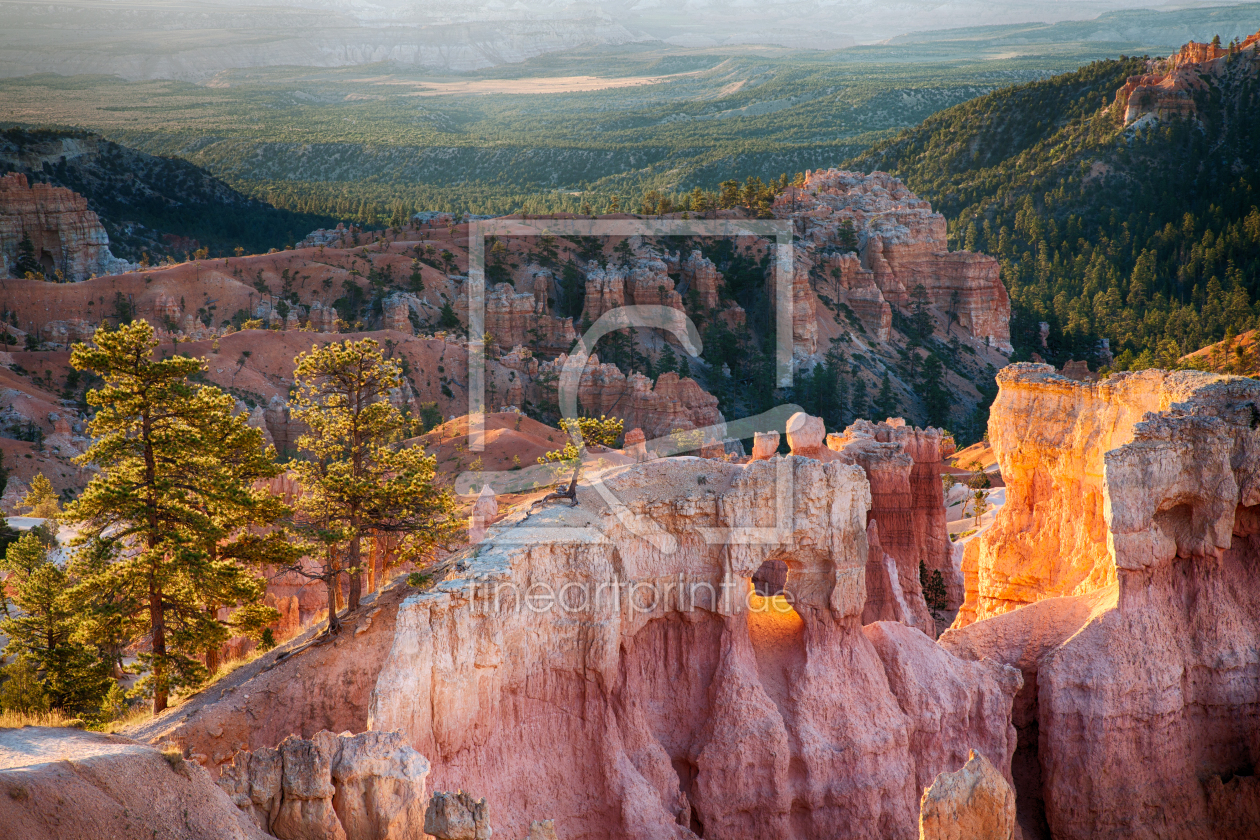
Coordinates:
column 692, row 22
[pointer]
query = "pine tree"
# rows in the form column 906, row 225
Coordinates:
column 668, row 362
column 45, row 632
column 26, row 262
column 858, row 402
column 886, row 401
column 41, row 500
column 934, row 594
column 147, row 518
column 241, row 514
column 22, row 691
column 936, row 398
column 921, row 317
column 357, row 481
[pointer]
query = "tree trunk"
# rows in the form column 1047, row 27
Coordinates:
column 157, row 619
column 356, row 574
column 334, row 591
column 214, row 654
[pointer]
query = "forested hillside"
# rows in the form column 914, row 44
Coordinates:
column 148, row 204
column 1146, row 235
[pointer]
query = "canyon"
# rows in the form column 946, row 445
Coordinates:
column 1117, row 568
column 721, row 646
column 622, row 642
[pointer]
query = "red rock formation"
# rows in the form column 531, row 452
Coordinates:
column 885, row 600
column 649, row 284
column 1051, row 435
column 700, row 274
column 855, row 286
column 369, row 786
column 672, row 403
column 61, row 334
column 901, row 243
column 513, row 319
column 804, row 307
column 974, row 802
column 635, row 445
column 68, row 237
column 1169, row 88
column 765, row 445
column 689, row 710
column 1140, row 493
column 805, row 437
column 458, row 816
column 397, row 315
column 322, row 318
column 66, row 784
column 605, row 290
column 903, row 465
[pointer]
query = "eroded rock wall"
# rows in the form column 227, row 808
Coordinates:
column 66, row 235
column 671, row 403
column 1138, row 499
column 876, row 241
column 369, row 786
column 678, row 708
column 903, row 465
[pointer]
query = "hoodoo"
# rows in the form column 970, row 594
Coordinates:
column 1118, row 578
column 620, row 643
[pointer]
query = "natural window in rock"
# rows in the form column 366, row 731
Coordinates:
column 770, row 578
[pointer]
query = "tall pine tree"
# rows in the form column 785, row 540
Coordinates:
column 886, row 401
column 160, row 500
column 358, row 481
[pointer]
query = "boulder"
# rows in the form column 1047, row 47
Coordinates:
column 972, row 803
column 805, row 434
column 457, row 816
column 369, row 786
column 765, row 445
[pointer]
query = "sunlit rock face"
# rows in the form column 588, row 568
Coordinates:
column 1137, row 500
column 1169, row 88
column 66, row 235
column 1051, row 436
column 661, row 697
